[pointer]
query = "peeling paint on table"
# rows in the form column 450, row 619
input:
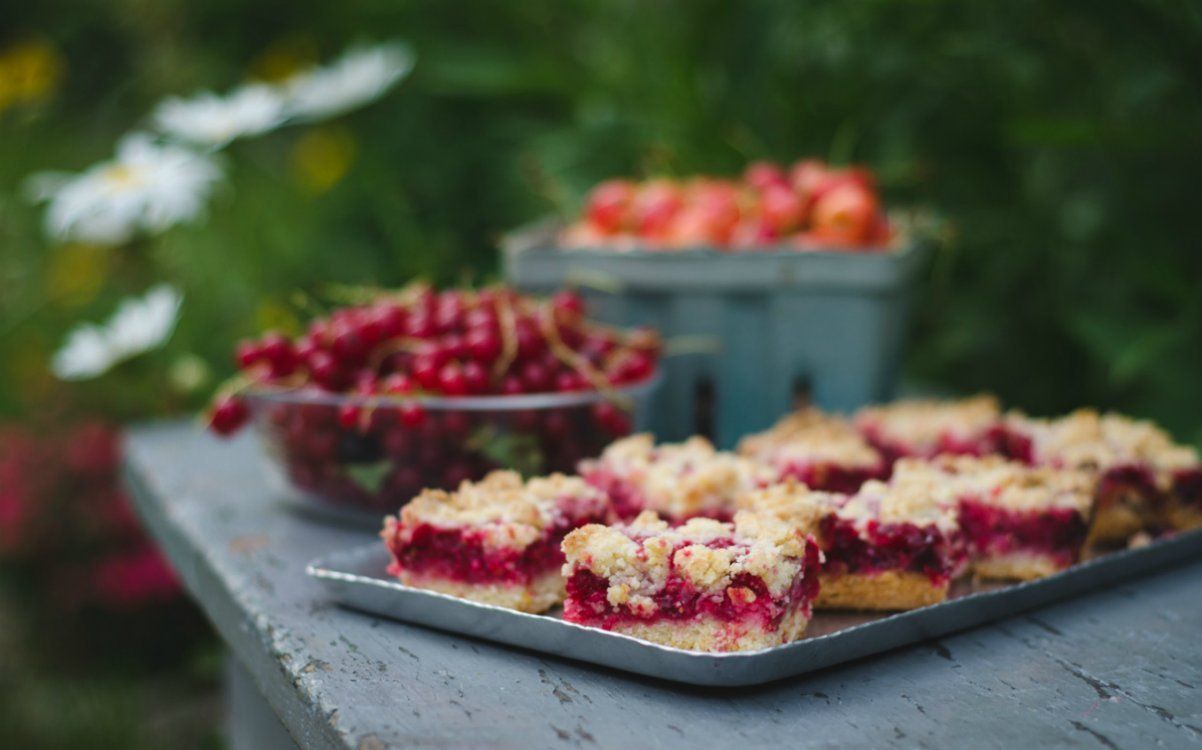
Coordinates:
column 1117, row 669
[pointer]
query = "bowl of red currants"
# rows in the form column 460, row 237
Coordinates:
column 418, row 388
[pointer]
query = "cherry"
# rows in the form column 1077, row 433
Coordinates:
column 247, row 354
column 420, row 325
column 411, row 414
column 569, row 380
column 535, row 377
column 348, row 416
column 347, row 345
column 475, row 377
column 451, row 380
column 568, row 306
column 530, row 340
column 228, row 415
column 512, row 385
column 391, row 320
column 426, row 370
column 611, row 418
column 325, row 370
column 484, row 344
column 655, row 205
column 397, row 383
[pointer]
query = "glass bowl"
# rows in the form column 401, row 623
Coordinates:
column 365, row 456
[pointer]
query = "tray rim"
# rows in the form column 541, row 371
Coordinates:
column 1173, row 549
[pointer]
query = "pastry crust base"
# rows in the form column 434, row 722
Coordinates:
column 1016, row 566
column 1114, row 523
column 886, row 590
column 717, row 635
column 544, row 593
column 1179, row 516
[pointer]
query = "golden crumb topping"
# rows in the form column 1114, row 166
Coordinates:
column 922, row 423
column 996, row 481
column 681, row 480
column 638, row 558
column 1086, row 439
column 921, row 503
column 506, row 510
column 810, row 436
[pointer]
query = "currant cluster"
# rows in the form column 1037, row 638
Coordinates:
column 810, row 205
column 347, row 405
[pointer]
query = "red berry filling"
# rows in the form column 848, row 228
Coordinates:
column 1119, row 483
column 991, row 530
column 1187, row 487
column 890, row 546
column 462, row 555
column 830, row 477
column 745, row 599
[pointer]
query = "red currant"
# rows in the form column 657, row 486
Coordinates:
column 228, row 416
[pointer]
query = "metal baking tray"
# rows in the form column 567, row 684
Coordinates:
column 356, row 578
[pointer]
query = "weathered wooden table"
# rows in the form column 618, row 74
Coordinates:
column 1117, row 669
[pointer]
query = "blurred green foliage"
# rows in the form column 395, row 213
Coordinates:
column 1062, row 142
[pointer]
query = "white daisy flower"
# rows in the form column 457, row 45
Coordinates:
column 138, row 325
column 361, row 75
column 211, row 120
column 148, row 187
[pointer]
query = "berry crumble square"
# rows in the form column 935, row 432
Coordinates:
column 925, row 428
column 822, row 451
column 678, row 481
column 887, row 547
column 1145, row 480
column 705, row 585
column 1018, row 522
column 495, row 541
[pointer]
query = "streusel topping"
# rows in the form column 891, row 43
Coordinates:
column 1086, row 439
column 920, row 502
column 923, row 422
column 996, row 481
column 680, row 479
column 508, row 511
column 638, row 558
column 810, row 436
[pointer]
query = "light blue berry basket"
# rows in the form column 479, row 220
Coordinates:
column 766, row 329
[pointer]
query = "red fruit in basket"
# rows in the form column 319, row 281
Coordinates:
column 608, row 206
column 451, row 380
column 411, row 414
column 611, row 419
column 568, row 306
column 475, row 377
column 325, row 371
column 655, row 206
column 398, row 443
column 781, row 209
column 391, row 319
column 568, row 380
column 397, row 383
column 484, row 344
column 346, row 345
column 845, row 214
column 762, row 175
column 228, row 415
column 426, row 370
column 535, row 377
column 530, row 341
column 448, row 315
column 632, row 367
column 754, row 233
column 247, row 354
column 348, row 416
column 420, row 325
column 511, row 385
column 716, row 206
